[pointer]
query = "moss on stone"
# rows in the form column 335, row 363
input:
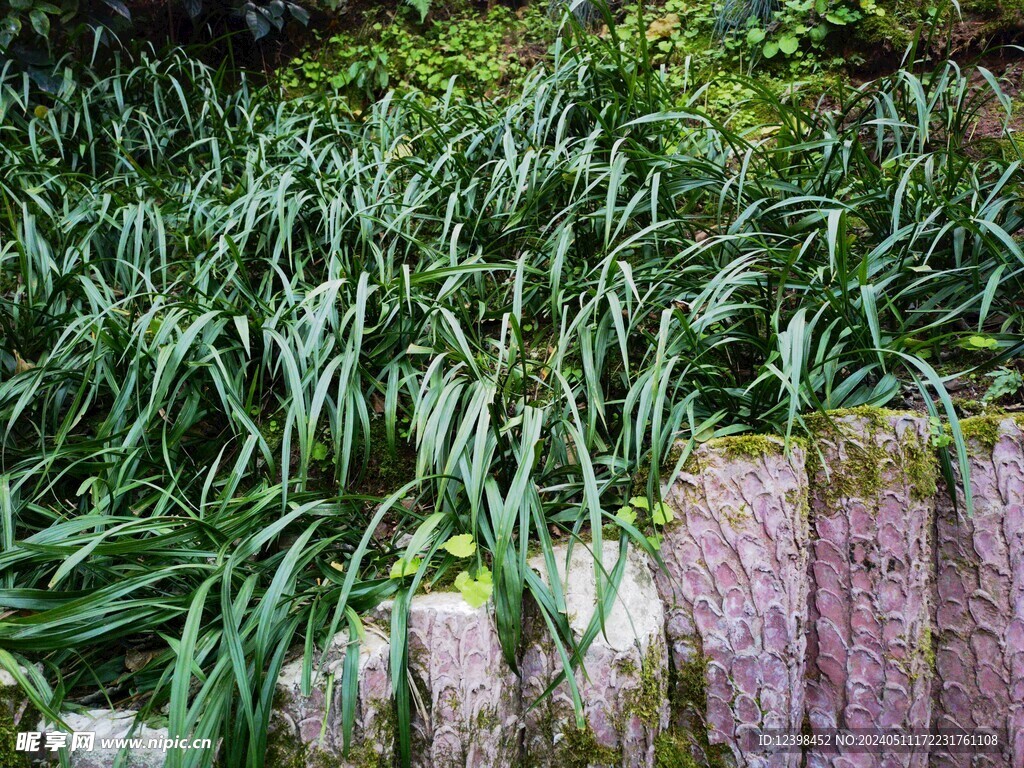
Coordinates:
column 544, row 722
column 920, row 659
column 984, row 431
column 860, row 475
column 922, row 467
column 886, row 31
column 688, row 691
column 640, row 478
column 673, row 454
column 828, row 421
column 673, row 749
column 486, row 719
column 645, row 701
column 444, row 581
column 753, row 446
column 383, row 734
column 1004, row 16
column 795, row 498
column 286, row 750
column 281, row 698
column 11, row 701
column 366, row 756
column 676, row 749
column 692, row 464
column 737, row 516
column 579, row 748
column 966, row 407
column 925, row 646
column 638, row 486
column 688, row 703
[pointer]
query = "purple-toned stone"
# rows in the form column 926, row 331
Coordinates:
column 306, row 729
column 869, row 640
column 623, row 679
column 735, row 591
column 469, row 708
column 979, row 598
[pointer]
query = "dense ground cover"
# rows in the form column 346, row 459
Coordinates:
column 264, row 365
column 805, row 45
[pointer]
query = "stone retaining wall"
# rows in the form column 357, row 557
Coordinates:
column 624, row 676
column 735, row 591
column 830, row 586
column 869, row 636
column 979, row 599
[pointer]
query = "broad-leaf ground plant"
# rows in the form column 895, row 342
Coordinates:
column 263, row 366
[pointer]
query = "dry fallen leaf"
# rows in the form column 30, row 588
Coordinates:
column 664, row 27
column 21, row 365
column 136, row 658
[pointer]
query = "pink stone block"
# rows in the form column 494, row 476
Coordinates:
column 298, row 720
column 735, row 590
column 869, row 640
column 623, row 679
column 979, row 599
column 469, row 709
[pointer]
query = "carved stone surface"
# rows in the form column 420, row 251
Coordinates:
column 869, row 645
column 624, row 689
column 298, row 721
column 979, row 607
column 735, row 590
column 112, row 724
column 469, row 694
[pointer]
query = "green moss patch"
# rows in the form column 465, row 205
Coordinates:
column 687, row 739
column 752, row 446
column 11, row 700
column 860, row 475
column 579, row 748
column 984, row 431
column 646, row 700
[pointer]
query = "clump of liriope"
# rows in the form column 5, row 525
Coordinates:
column 225, row 321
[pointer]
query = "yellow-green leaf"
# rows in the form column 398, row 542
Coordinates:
column 403, row 567
column 461, row 545
column 662, row 514
column 626, row 515
column 476, row 591
column 982, row 342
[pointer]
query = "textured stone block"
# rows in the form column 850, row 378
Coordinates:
column 112, row 724
column 735, row 593
column 979, row 598
column 869, row 645
column 469, row 694
column 623, row 680
column 297, row 721
column 18, row 715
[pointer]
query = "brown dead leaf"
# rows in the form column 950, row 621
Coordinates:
column 663, row 27
column 21, row 365
column 137, row 658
